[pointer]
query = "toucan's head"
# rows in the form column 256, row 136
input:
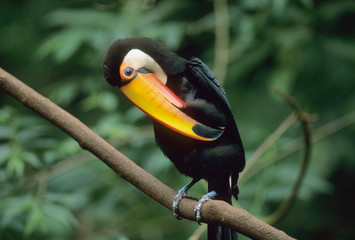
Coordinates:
column 144, row 54
column 141, row 67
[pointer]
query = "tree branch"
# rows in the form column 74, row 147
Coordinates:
column 214, row 212
column 221, row 45
column 304, row 118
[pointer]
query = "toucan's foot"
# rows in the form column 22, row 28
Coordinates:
column 209, row 196
column 182, row 193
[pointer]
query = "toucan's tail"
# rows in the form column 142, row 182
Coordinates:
column 224, row 192
column 215, row 232
column 221, row 233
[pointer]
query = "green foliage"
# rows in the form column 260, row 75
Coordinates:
column 51, row 189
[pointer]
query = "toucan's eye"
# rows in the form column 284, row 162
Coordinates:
column 128, row 72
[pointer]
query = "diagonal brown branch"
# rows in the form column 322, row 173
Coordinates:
column 215, row 212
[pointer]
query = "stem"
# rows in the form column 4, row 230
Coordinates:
column 303, row 117
column 286, row 124
column 221, row 46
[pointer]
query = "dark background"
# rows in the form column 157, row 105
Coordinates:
column 51, row 189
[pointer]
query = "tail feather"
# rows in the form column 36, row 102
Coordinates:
column 224, row 192
column 215, row 232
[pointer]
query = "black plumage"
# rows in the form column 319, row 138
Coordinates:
column 218, row 162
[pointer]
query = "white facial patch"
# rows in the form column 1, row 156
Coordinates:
column 137, row 59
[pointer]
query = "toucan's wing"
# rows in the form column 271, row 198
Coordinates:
column 204, row 79
column 208, row 83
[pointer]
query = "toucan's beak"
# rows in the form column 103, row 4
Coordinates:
column 149, row 94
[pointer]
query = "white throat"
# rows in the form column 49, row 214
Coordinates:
column 136, row 59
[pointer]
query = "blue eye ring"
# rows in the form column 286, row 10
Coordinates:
column 128, row 72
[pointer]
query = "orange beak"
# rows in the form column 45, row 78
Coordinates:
column 149, row 94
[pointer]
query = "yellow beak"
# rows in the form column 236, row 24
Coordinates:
column 149, row 94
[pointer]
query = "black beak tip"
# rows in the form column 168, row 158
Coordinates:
column 206, row 131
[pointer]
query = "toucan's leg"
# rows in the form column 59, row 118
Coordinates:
column 182, row 193
column 209, row 196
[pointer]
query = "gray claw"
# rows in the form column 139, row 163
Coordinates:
column 208, row 197
column 181, row 194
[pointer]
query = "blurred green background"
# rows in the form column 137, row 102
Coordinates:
column 52, row 189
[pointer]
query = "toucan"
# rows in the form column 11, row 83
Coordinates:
column 192, row 118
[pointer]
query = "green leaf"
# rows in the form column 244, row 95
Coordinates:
column 35, row 220
column 62, row 46
column 15, row 165
column 58, row 217
column 32, row 159
column 5, row 133
column 6, row 113
column 69, row 146
column 5, row 152
column 13, row 207
column 65, row 93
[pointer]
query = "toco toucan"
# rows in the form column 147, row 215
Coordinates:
column 193, row 122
